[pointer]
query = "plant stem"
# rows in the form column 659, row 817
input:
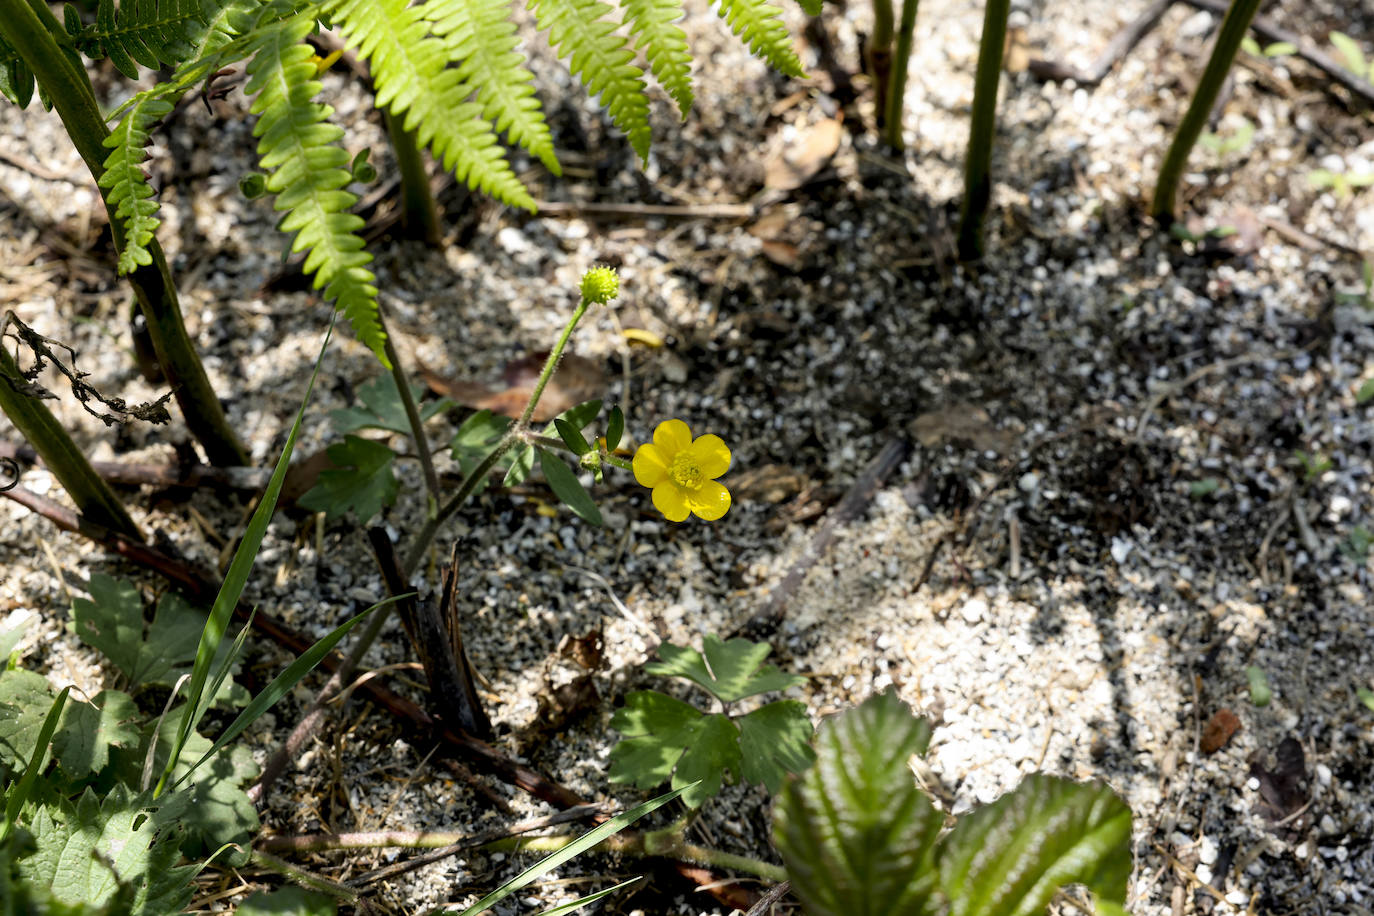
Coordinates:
column 896, row 90
column 93, row 497
column 880, row 56
column 645, row 845
column 413, row 419
column 419, row 212
column 1233, row 29
column 982, row 130
column 59, row 71
column 303, row 877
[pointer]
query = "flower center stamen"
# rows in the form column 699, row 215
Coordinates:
column 685, row 472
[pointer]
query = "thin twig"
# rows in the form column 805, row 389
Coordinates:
column 642, row 211
column 1197, row 375
column 770, row 897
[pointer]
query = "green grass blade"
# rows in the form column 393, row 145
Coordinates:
column 19, row 794
column 237, row 577
column 576, row 848
column 580, row 902
column 282, row 684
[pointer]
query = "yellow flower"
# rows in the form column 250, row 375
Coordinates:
column 682, row 472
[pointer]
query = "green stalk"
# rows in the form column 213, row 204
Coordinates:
column 982, row 130
column 896, row 90
column 1233, row 29
column 93, row 497
column 419, row 212
column 880, row 55
column 656, row 844
column 59, row 71
column 413, row 420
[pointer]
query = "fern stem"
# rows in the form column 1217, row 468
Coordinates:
column 93, row 497
column 419, row 212
column 59, row 71
column 1233, row 29
column 900, row 63
column 982, row 130
column 880, row 55
column 413, row 419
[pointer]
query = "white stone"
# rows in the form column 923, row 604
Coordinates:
column 973, row 610
column 1207, row 851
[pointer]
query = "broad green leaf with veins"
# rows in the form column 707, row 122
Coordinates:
column 775, row 740
column 382, row 408
column 730, row 671
column 87, row 731
column 657, row 730
column 25, row 699
column 714, row 752
column 362, row 481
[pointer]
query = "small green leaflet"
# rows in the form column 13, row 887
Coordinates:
column 577, row 417
column 730, row 671
column 24, row 702
column 568, row 488
column 382, row 408
column 571, row 437
column 615, row 428
column 362, row 481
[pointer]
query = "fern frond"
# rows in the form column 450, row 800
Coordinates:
column 224, row 20
column 414, row 82
column 126, row 185
column 580, row 32
column 654, row 25
column 146, row 32
column 759, row 24
column 299, row 150
column 481, row 34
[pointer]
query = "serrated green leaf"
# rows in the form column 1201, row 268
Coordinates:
column 657, row 729
column 219, row 810
column 855, row 834
column 810, row 7
column 704, row 763
column 568, row 488
column 25, row 699
column 730, row 671
column 17, row 794
column 121, row 848
column 1008, row 858
column 775, row 740
column 362, row 481
column 615, row 428
column 1351, row 51
column 382, row 408
column 88, row 731
column 288, row 901
column 111, row 620
column 571, row 436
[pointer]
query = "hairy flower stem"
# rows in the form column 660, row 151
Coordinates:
column 982, row 130
column 1233, row 29
column 666, row 844
column 59, row 71
column 419, row 212
column 93, row 497
column 896, row 90
column 413, row 419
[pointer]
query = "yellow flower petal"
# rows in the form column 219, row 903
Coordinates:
column 711, row 454
column 671, row 500
column 710, row 501
column 649, row 467
column 672, row 436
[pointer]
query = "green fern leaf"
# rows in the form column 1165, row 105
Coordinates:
column 299, row 150
column 654, row 25
column 580, row 32
column 126, row 185
column 759, row 24
column 414, row 82
column 481, row 34
column 140, row 32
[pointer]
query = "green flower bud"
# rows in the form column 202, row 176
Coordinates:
column 600, row 284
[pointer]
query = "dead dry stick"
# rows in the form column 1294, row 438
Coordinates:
column 1121, row 44
column 770, row 897
column 643, row 211
column 1197, row 375
column 848, row 509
